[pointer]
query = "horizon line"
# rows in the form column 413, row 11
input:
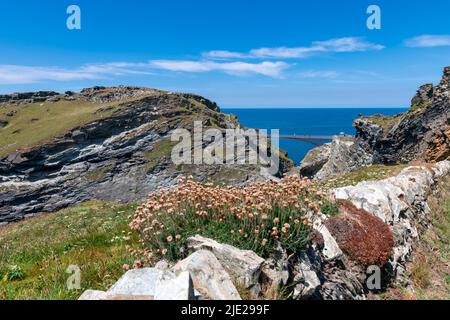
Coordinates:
column 315, row 107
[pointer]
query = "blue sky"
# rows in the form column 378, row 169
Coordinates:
column 238, row 53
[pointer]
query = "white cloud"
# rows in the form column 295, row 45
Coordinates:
column 17, row 74
column 270, row 69
column 347, row 44
column 428, row 41
column 319, row 74
column 14, row 74
column 223, row 54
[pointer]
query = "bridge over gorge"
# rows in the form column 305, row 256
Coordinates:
column 316, row 140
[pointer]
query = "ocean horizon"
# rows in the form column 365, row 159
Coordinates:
column 305, row 121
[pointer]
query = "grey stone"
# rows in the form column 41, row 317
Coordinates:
column 208, row 276
column 331, row 248
column 175, row 288
column 306, row 277
column 93, row 295
column 137, row 282
column 243, row 265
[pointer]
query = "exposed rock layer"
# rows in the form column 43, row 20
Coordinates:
column 422, row 133
column 122, row 157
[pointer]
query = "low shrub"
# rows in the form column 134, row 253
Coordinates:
column 255, row 217
column 361, row 235
column 15, row 273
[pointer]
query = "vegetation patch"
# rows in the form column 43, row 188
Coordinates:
column 364, row 237
column 430, row 267
column 38, row 123
column 371, row 173
column 35, row 253
column 383, row 120
column 419, row 107
column 100, row 173
column 256, row 217
column 160, row 151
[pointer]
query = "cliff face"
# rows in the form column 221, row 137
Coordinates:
column 422, row 133
column 57, row 150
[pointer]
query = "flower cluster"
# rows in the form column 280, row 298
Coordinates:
column 257, row 217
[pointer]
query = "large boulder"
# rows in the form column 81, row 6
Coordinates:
column 243, row 265
column 139, row 283
column 175, row 288
column 208, row 276
column 338, row 157
column 314, row 160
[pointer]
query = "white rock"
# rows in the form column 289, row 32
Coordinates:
column 93, row 295
column 381, row 198
column 208, row 276
column 137, row 282
column 243, row 265
column 306, row 276
column 331, row 248
column 175, row 288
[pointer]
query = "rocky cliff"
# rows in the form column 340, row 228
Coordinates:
column 105, row 143
column 422, row 133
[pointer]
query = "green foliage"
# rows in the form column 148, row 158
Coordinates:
column 371, row 173
column 161, row 150
column 329, row 209
column 257, row 217
column 35, row 253
column 15, row 273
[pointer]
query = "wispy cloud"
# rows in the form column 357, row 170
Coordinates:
column 17, row 74
column 14, row 74
column 428, row 41
column 318, row 74
column 347, row 44
column 224, row 54
column 266, row 68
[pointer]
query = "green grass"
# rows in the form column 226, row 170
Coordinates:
column 35, row 253
column 39, row 123
column 101, row 173
column 384, row 120
column 421, row 107
column 374, row 172
column 162, row 149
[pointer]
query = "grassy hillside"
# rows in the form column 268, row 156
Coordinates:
column 32, row 124
column 35, row 253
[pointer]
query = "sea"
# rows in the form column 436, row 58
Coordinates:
column 304, row 121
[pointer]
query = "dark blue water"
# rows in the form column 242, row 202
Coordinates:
column 305, row 122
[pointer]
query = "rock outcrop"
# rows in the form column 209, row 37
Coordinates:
column 400, row 202
column 122, row 155
column 422, row 133
column 376, row 229
column 243, row 265
column 209, row 276
column 341, row 156
column 147, row 284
